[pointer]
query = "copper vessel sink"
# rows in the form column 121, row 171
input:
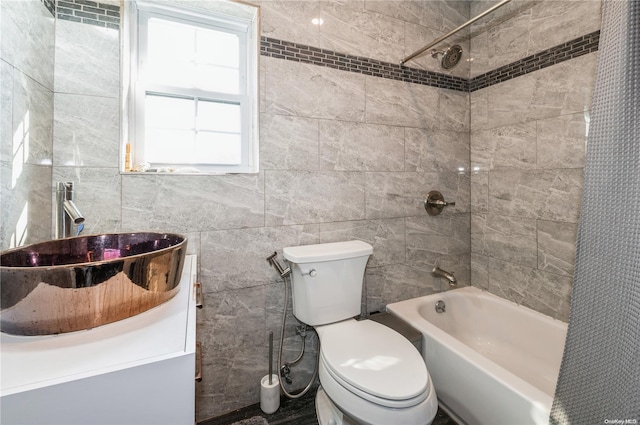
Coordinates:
column 78, row 283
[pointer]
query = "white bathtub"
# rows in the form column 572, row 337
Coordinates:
column 492, row 361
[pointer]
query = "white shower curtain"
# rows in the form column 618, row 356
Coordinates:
column 599, row 379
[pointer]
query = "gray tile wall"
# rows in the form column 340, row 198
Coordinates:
column 528, row 139
column 26, row 121
column 343, row 156
column 87, row 121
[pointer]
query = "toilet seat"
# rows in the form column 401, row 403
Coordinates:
column 374, row 362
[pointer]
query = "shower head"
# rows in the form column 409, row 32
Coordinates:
column 450, row 57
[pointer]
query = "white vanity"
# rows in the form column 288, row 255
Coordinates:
column 136, row 371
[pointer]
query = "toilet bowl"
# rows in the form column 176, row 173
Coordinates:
column 369, row 374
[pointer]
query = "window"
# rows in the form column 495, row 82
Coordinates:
column 192, row 92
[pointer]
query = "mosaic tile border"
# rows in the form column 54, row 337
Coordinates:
column 569, row 50
column 89, row 12
column 51, row 6
column 296, row 52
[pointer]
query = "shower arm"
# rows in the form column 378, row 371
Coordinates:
column 450, row 33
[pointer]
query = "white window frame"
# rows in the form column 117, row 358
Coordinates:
column 136, row 89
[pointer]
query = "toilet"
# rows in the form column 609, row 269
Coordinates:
column 369, row 374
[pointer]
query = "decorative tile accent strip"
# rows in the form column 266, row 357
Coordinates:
column 280, row 49
column 51, row 6
column 569, row 50
column 89, row 12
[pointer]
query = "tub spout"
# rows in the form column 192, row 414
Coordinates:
column 438, row 272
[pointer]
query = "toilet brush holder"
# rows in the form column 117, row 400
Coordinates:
column 269, row 394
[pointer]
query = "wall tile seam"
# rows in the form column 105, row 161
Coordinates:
column 510, row 216
column 281, row 49
column 88, row 95
column 323, row 120
column 31, row 79
column 530, row 120
column 491, row 257
column 502, row 169
column 499, row 214
column 9, row 163
column 254, row 284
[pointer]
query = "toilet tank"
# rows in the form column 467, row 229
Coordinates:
column 327, row 280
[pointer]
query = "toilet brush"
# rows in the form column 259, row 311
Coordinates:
column 270, row 386
column 270, row 355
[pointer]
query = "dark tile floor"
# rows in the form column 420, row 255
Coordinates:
column 292, row 412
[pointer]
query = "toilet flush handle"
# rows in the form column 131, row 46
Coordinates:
column 312, row 273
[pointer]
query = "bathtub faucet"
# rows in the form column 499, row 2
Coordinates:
column 438, row 272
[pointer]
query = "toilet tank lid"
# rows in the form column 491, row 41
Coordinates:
column 327, row 251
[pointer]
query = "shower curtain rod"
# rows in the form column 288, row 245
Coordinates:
column 449, row 34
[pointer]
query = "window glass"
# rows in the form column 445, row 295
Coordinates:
column 175, row 134
column 169, row 59
column 189, row 56
column 219, row 148
column 170, row 146
column 223, row 117
column 169, row 112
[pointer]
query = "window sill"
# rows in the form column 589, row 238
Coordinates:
column 185, row 173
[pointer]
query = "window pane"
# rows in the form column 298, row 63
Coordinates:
column 222, row 117
column 169, row 146
column 191, row 56
column 218, row 148
column 168, row 38
column 169, row 129
column 169, row 112
column 175, row 134
column 218, row 48
column 171, row 53
column 215, row 78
